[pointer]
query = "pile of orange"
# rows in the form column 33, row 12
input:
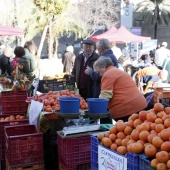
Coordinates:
column 148, row 132
column 51, row 102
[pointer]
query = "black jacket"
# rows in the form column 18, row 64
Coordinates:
column 77, row 69
column 5, row 65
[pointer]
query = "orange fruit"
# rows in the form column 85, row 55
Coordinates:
column 113, row 147
column 122, row 150
column 154, row 163
column 144, row 126
column 165, row 134
column 113, row 130
column 167, row 123
column 150, row 137
column 157, row 141
column 107, row 142
column 128, row 130
column 162, row 156
column 120, row 126
column 121, row 135
column 142, row 115
column 159, row 128
column 158, row 107
column 137, row 147
column 161, row 166
column 144, row 135
column 165, row 146
column 100, row 136
column 167, row 110
column 150, row 150
column 133, row 117
column 151, row 117
column 135, row 135
column 112, row 137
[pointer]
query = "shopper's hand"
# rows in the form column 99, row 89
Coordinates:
column 88, row 70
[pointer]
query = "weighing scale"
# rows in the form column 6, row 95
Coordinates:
column 81, row 122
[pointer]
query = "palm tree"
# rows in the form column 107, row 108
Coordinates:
column 154, row 12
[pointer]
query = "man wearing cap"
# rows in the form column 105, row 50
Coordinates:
column 161, row 54
column 87, row 58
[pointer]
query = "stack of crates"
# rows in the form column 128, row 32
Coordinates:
column 14, row 102
column 24, row 148
column 74, row 152
column 2, row 135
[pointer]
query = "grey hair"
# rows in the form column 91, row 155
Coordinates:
column 103, row 61
column 104, row 43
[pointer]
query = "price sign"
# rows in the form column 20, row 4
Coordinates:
column 109, row 160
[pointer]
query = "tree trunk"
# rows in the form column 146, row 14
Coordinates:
column 42, row 40
column 155, row 30
column 50, row 41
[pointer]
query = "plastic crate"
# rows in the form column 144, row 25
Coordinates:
column 24, row 145
column 144, row 162
column 163, row 92
column 133, row 161
column 14, row 102
column 74, row 151
column 36, row 166
column 51, row 85
column 62, row 166
column 132, row 158
column 94, row 152
column 165, row 101
column 8, row 123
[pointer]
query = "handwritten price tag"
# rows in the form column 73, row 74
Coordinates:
column 109, row 160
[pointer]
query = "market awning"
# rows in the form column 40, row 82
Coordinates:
column 123, row 35
column 9, row 31
column 103, row 35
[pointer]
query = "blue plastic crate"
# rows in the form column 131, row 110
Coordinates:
column 132, row 158
column 94, row 152
column 144, row 162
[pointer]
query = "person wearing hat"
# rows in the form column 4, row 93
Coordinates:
column 68, row 59
column 161, row 54
column 87, row 58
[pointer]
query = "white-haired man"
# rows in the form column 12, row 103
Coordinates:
column 161, row 54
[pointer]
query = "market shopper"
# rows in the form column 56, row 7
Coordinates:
column 5, row 65
column 31, row 57
column 87, row 58
column 68, row 59
column 161, row 54
column 103, row 47
column 122, row 92
column 28, row 68
column 116, row 50
column 149, row 75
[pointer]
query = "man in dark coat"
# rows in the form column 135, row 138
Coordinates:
column 68, row 59
column 103, row 47
column 87, row 58
column 5, row 65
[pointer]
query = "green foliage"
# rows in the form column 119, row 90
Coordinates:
column 51, row 7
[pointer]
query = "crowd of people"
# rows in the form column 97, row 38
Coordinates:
column 26, row 55
column 98, row 72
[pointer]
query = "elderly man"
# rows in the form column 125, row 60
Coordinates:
column 103, row 47
column 5, row 65
column 86, row 59
column 122, row 92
